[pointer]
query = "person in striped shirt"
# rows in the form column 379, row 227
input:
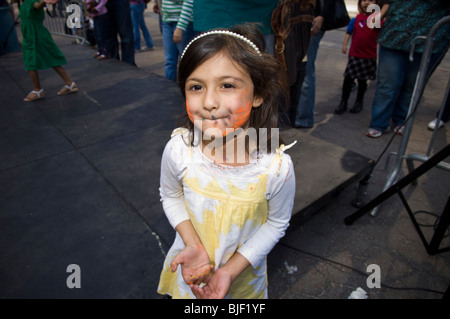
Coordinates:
column 177, row 31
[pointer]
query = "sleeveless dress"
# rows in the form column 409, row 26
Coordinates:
column 39, row 50
column 244, row 209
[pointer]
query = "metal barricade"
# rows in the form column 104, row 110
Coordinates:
column 415, row 100
column 67, row 18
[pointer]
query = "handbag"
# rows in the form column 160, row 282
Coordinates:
column 336, row 15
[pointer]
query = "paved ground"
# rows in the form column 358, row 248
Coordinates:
column 79, row 185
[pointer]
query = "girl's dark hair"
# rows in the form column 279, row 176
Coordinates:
column 266, row 73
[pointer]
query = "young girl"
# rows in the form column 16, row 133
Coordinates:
column 228, row 211
column 39, row 49
column 362, row 57
column 102, row 30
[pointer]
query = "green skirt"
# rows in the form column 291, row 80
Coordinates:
column 39, row 50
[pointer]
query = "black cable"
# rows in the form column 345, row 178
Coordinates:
column 359, row 271
column 436, row 222
column 392, row 138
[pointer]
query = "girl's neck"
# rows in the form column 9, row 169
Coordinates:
column 230, row 150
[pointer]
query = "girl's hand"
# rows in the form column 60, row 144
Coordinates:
column 216, row 288
column 195, row 264
column 344, row 49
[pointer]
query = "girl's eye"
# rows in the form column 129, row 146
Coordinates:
column 195, row 87
column 228, row 86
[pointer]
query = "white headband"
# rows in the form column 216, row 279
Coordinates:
column 233, row 34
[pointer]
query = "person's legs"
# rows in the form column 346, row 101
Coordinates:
column 186, row 37
column 147, row 37
column 34, row 77
column 113, row 30
column 359, row 103
column 307, row 100
column 63, row 74
column 105, row 34
column 270, row 44
column 119, row 11
column 136, row 20
column 170, row 50
column 446, row 112
column 406, row 92
column 346, row 90
column 391, row 74
column 70, row 86
column 37, row 92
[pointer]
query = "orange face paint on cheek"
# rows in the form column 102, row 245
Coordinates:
column 188, row 110
column 243, row 115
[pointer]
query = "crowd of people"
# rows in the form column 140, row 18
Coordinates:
column 372, row 54
column 237, row 63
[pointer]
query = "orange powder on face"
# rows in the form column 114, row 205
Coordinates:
column 188, row 110
column 243, row 115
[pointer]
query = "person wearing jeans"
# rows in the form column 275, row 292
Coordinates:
column 305, row 108
column 177, row 31
column 120, row 22
column 405, row 20
column 137, row 8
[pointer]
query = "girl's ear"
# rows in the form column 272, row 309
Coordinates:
column 257, row 101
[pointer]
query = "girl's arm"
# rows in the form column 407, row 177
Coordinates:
column 196, row 266
column 345, row 44
column 194, row 260
column 42, row 3
column 281, row 189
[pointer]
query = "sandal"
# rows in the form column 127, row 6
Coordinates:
column 34, row 95
column 67, row 89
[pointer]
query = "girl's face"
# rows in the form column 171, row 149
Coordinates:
column 365, row 3
column 219, row 94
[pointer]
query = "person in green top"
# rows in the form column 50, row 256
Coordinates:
column 39, row 50
column 212, row 14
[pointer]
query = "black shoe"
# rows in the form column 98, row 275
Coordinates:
column 357, row 107
column 342, row 107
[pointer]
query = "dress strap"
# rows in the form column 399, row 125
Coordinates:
column 185, row 136
column 280, row 152
column 179, row 130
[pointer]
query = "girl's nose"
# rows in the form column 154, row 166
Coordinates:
column 210, row 101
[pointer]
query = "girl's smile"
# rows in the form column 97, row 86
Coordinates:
column 219, row 94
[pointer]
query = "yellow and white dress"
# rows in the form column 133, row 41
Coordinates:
column 245, row 209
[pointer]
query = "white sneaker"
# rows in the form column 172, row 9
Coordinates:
column 432, row 124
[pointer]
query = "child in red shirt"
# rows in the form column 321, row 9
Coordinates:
column 362, row 57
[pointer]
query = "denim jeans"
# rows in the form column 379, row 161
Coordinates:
column 137, row 17
column 120, row 22
column 395, row 85
column 102, row 33
column 173, row 50
column 307, row 100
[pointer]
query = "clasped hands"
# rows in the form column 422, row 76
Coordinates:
column 199, row 274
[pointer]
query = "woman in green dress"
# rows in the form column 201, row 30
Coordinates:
column 39, row 50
